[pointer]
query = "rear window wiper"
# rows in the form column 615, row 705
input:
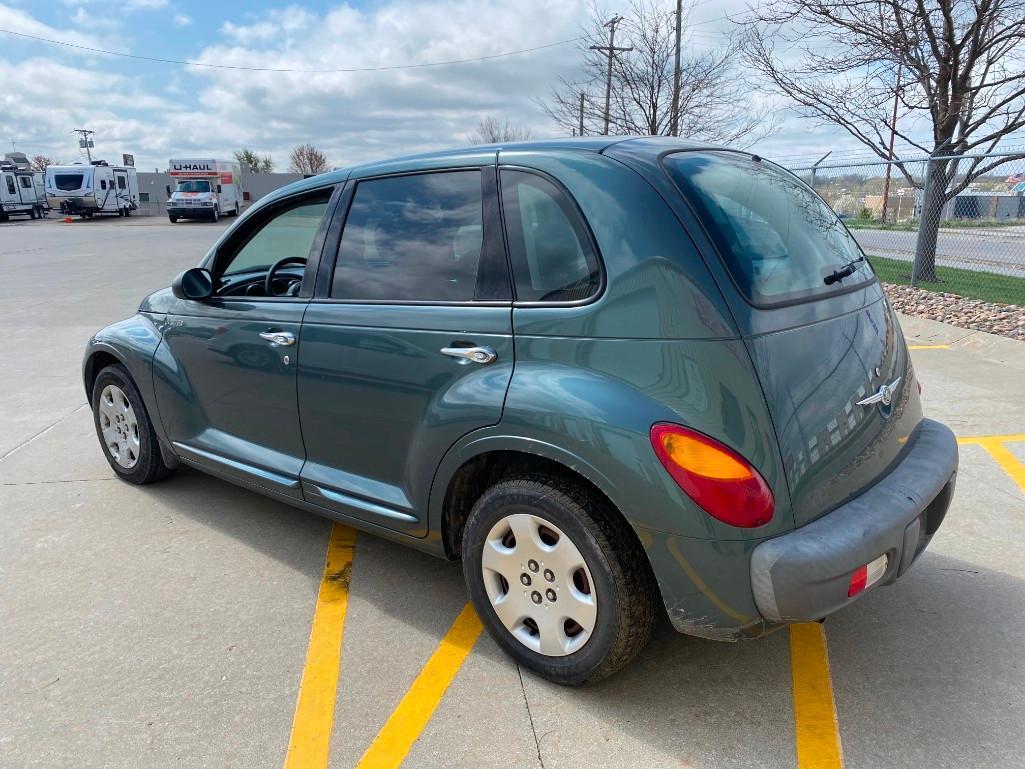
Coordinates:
column 844, row 272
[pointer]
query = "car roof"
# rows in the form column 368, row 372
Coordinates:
column 475, row 153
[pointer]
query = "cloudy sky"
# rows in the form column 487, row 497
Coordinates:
column 157, row 111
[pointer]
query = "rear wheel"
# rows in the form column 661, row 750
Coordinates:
column 558, row 579
column 124, row 427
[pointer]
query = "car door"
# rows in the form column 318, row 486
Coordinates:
column 225, row 371
column 408, row 345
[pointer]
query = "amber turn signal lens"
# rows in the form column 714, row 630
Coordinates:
column 718, row 479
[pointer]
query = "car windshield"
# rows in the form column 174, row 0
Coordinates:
column 194, row 186
column 67, row 182
column 778, row 238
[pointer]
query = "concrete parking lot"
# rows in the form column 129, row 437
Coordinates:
column 181, row 624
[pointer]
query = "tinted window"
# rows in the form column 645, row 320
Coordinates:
column 194, row 186
column 120, row 182
column 67, row 182
column 287, row 233
column 412, row 238
column 10, row 184
column 552, row 256
column 777, row 237
column 103, row 184
column 26, row 182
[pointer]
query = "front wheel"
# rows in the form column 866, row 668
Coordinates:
column 124, row 427
column 174, row 219
column 215, row 216
column 558, row 579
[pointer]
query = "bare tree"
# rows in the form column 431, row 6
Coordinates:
column 307, row 159
column 490, row 131
column 963, row 84
column 258, row 165
column 40, row 162
column 714, row 100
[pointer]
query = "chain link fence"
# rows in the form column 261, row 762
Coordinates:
column 950, row 223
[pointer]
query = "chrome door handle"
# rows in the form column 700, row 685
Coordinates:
column 280, row 338
column 471, row 354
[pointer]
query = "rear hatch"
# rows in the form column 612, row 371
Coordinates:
column 821, row 335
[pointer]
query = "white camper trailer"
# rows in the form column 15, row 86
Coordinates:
column 20, row 193
column 205, row 189
column 92, row 189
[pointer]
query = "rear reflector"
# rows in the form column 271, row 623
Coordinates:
column 866, row 576
column 718, row 479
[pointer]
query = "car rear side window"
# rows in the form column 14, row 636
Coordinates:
column 779, row 240
column 10, row 185
column 552, row 256
column 412, row 238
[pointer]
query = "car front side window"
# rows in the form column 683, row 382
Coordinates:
column 286, row 234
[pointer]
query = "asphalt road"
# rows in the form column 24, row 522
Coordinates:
column 170, row 625
column 999, row 249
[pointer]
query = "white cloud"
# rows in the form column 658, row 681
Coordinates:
column 181, row 20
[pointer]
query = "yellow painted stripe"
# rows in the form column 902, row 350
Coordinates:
column 817, row 731
column 928, row 346
column 977, row 440
column 315, row 709
column 1008, row 461
column 392, row 744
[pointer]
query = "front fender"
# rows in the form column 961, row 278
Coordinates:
column 132, row 342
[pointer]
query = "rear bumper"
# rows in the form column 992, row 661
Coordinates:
column 804, row 575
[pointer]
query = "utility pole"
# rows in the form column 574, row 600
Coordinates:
column 893, row 131
column 581, row 113
column 674, row 125
column 611, row 50
column 85, row 142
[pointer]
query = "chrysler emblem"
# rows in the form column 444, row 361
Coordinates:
column 883, row 395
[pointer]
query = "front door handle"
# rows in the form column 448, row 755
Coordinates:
column 279, row 338
column 471, row 354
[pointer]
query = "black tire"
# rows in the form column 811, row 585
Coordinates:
column 150, row 465
column 236, row 210
column 214, row 216
column 174, row 219
column 623, row 585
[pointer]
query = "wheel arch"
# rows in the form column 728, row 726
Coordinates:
column 467, row 472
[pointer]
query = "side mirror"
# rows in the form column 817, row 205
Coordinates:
column 196, row 284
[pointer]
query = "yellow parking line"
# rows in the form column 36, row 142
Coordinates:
column 816, row 727
column 315, row 709
column 977, row 440
column 1010, row 463
column 928, row 346
column 393, row 742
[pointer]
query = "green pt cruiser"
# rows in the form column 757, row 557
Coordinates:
column 600, row 371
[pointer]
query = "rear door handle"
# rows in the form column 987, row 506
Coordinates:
column 279, row 338
column 471, row 354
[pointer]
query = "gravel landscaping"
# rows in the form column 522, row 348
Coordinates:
column 1003, row 319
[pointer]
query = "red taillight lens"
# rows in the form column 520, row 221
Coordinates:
column 859, row 580
column 718, row 479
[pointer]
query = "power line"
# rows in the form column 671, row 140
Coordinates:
column 284, row 69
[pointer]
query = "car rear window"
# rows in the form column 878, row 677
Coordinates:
column 68, row 182
column 779, row 240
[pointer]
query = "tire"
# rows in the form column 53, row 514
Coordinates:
column 174, row 219
column 140, row 461
column 614, row 591
column 236, row 210
column 215, row 216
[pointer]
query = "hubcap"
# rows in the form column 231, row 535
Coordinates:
column 539, row 585
column 119, row 426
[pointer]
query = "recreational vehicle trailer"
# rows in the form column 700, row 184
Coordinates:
column 206, row 189
column 19, row 192
column 97, row 188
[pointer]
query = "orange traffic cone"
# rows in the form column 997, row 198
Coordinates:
column 67, row 220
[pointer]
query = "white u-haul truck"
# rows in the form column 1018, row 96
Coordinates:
column 205, row 189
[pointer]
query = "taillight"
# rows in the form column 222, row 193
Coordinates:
column 718, row 479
